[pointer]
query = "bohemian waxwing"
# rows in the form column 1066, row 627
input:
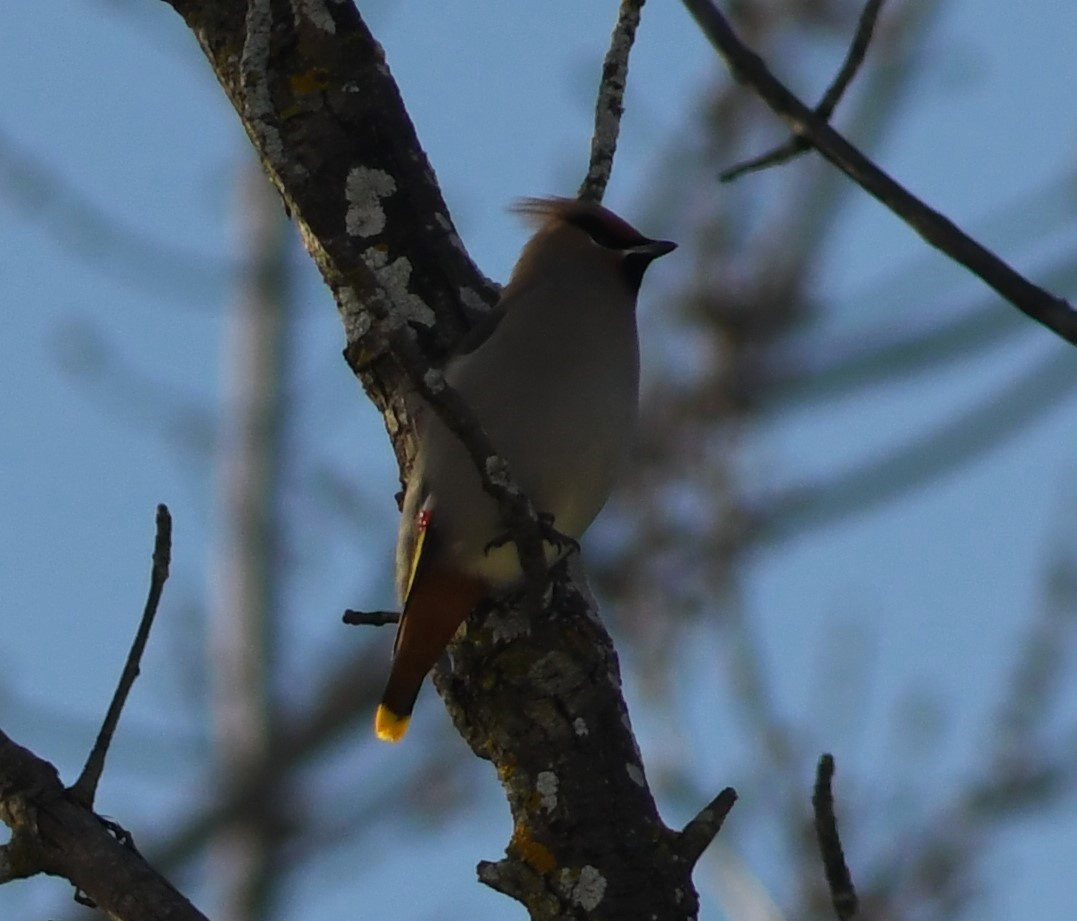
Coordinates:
column 553, row 378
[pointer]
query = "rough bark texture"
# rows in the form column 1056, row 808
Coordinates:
column 52, row 833
column 316, row 98
column 540, row 697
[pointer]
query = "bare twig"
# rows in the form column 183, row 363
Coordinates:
column 370, row 618
column 796, row 145
column 704, row 828
column 865, row 28
column 516, row 509
column 51, row 832
column 838, row 878
column 84, row 789
column 1055, row 313
column 609, row 107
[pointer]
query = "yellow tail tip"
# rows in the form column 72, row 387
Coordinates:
column 388, row 725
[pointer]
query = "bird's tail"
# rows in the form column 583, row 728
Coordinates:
column 438, row 602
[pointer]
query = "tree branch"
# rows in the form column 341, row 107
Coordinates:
column 540, row 696
column 370, row 618
column 838, row 878
column 55, row 830
column 541, row 699
column 1053, row 312
column 54, row 833
column 703, row 829
column 326, row 118
column 84, row 789
column 517, row 513
column 797, row 145
column 609, row 106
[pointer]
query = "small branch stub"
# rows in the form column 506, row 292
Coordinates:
column 838, row 878
column 370, row 618
column 703, row 829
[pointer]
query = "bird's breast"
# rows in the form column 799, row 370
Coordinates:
column 559, row 403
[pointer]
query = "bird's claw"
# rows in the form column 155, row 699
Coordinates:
column 557, row 539
column 550, row 535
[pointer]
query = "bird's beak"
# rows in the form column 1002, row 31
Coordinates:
column 652, row 249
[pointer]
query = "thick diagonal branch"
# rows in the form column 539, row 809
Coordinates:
column 1055, row 313
column 797, row 145
column 54, row 833
column 539, row 696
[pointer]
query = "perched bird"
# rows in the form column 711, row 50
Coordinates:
column 553, row 378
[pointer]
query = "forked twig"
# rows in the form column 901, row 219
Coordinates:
column 797, row 144
column 1056, row 313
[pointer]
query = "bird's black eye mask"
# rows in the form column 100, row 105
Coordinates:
column 607, row 230
column 604, row 228
column 610, row 232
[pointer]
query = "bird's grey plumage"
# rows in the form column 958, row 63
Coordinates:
column 554, row 384
column 553, row 378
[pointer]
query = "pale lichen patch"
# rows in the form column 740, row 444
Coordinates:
column 579, row 726
column 546, row 786
column 504, row 628
column 357, row 320
column 316, row 13
column 471, row 299
column 254, row 76
column 364, row 190
column 394, row 278
column 497, row 470
column 589, row 888
column 434, row 380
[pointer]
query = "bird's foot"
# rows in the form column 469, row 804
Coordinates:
column 560, row 541
column 550, row 535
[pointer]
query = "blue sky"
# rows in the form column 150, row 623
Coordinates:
column 110, row 373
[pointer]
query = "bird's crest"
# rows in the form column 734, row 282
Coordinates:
column 601, row 224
